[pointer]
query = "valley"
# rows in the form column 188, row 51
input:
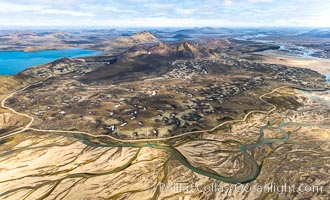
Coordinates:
column 146, row 113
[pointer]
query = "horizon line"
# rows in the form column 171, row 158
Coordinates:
column 151, row 27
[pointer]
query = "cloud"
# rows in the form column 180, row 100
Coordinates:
column 260, row 1
column 228, row 3
column 176, row 13
column 67, row 12
column 182, row 11
column 10, row 7
column 171, row 22
column 14, row 8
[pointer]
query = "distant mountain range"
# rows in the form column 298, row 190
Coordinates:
column 204, row 30
column 181, row 36
column 317, row 33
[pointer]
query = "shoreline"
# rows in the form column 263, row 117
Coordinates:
column 12, row 67
column 320, row 65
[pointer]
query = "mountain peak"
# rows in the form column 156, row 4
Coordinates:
column 190, row 50
column 144, row 36
column 186, row 46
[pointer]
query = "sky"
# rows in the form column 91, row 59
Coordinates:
column 165, row 13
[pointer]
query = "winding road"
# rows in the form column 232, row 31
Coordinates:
column 159, row 143
column 28, row 126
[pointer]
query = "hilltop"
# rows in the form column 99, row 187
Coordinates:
column 190, row 50
column 125, row 42
column 144, row 37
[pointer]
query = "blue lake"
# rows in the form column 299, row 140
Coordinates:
column 12, row 62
